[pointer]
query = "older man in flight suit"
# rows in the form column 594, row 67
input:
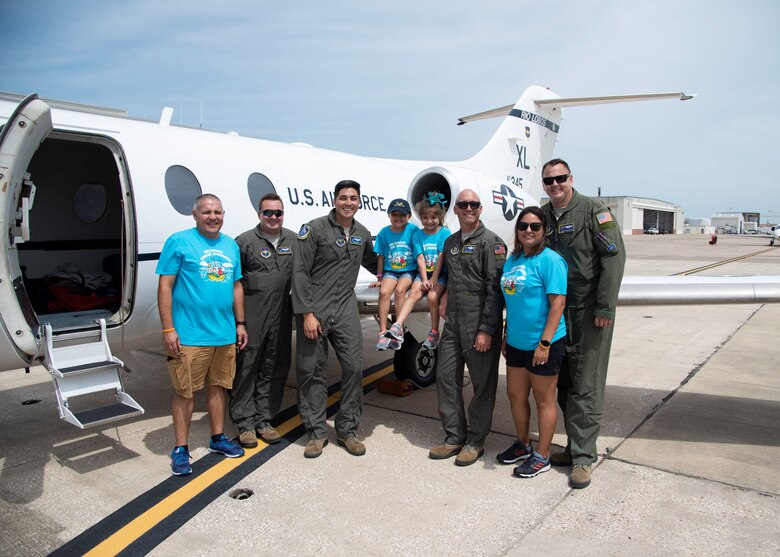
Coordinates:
column 474, row 258
column 329, row 254
column 586, row 234
column 262, row 367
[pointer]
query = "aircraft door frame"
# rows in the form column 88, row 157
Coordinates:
column 25, row 130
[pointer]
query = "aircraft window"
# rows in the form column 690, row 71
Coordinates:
column 90, row 202
column 257, row 186
column 182, row 188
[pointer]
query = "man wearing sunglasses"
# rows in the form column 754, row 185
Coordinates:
column 262, row 367
column 586, row 234
column 474, row 259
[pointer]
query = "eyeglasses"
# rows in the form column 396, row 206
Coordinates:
column 548, row 181
column 473, row 204
column 272, row 213
column 523, row 226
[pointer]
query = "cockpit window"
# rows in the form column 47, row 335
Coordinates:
column 257, row 186
column 182, row 188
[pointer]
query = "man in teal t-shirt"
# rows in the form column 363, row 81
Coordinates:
column 201, row 303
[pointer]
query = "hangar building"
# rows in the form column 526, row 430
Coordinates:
column 637, row 214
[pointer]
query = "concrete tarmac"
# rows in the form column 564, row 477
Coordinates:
column 689, row 449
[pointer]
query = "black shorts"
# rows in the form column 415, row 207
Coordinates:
column 523, row 358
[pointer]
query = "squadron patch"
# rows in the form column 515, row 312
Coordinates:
column 265, row 253
column 356, row 240
column 469, row 248
column 455, row 250
column 304, row 232
column 341, row 241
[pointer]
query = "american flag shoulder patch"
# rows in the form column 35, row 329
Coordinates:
column 604, row 217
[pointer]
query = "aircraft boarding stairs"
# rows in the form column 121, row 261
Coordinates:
column 81, row 364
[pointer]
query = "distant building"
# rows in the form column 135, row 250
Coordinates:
column 635, row 215
column 728, row 223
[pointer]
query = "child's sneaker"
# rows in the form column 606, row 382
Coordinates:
column 432, row 341
column 383, row 342
column 180, row 462
column 517, row 452
column 532, row 466
column 225, row 446
column 395, row 344
column 396, row 332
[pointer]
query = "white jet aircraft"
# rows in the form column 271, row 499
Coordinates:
column 89, row 195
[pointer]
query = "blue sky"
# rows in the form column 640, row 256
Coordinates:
column 390, row 79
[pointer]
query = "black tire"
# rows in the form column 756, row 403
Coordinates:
column 415, row 362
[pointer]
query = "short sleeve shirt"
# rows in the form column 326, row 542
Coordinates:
column 430, row 246
column 526, row 282
column 396, row 248
column 205, row 271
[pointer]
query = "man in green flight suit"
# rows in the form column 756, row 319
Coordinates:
column 586, row 234
column 329, row 254
column 473, row 258
column 262, row 367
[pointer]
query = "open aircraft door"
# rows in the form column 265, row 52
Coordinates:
column 20, row 137
column 86, row 375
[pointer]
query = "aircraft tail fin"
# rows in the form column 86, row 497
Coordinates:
column 526, row 138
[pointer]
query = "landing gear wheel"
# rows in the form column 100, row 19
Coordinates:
column 415, row 362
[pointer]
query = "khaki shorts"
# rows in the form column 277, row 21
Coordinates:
column 195, row 366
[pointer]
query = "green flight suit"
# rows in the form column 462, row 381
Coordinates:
column 325, row 269
column 262, row 366
column 589, row 239
column 475, row 304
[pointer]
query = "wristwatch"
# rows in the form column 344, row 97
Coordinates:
column 544, row 343
column 240, row 323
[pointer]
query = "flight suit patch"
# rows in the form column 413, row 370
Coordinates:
column 565, row 228
column 304, row 232
column 341, row 242
column 356, row 240
column 500, row 251
column 605, row 219
column 469, row 248
column 265, row 253
column 455, row 250
column 284, row 251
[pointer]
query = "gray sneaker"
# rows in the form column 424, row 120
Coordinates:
column 432, row 341
column 396, row 332
column 382, row 343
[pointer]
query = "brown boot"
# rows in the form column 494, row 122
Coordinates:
column 314, row 447
column 353, row 446
column 247, row 439
column 580, row 476
column 469, row 455
column 269, row 435
column 445, row 450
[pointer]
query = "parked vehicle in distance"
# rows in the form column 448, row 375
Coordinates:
column 651, row 230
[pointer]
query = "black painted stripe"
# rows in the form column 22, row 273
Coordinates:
column 149, row 256
column 95, row 535
column 535, row 119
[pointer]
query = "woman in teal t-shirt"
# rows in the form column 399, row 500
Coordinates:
column 534, row 287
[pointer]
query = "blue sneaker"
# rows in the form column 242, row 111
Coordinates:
column 180, row 462
column 225, row 446
column 517, row 452
column 532, row 466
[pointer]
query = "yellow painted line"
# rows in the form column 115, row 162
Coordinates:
column 719, row 263
column 136, row 528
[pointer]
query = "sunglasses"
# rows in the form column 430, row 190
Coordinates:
column 272, row 213
column 473, row 204
column 523, row 226
column 548, row 181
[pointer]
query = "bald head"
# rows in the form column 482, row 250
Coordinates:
column 468, row 209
